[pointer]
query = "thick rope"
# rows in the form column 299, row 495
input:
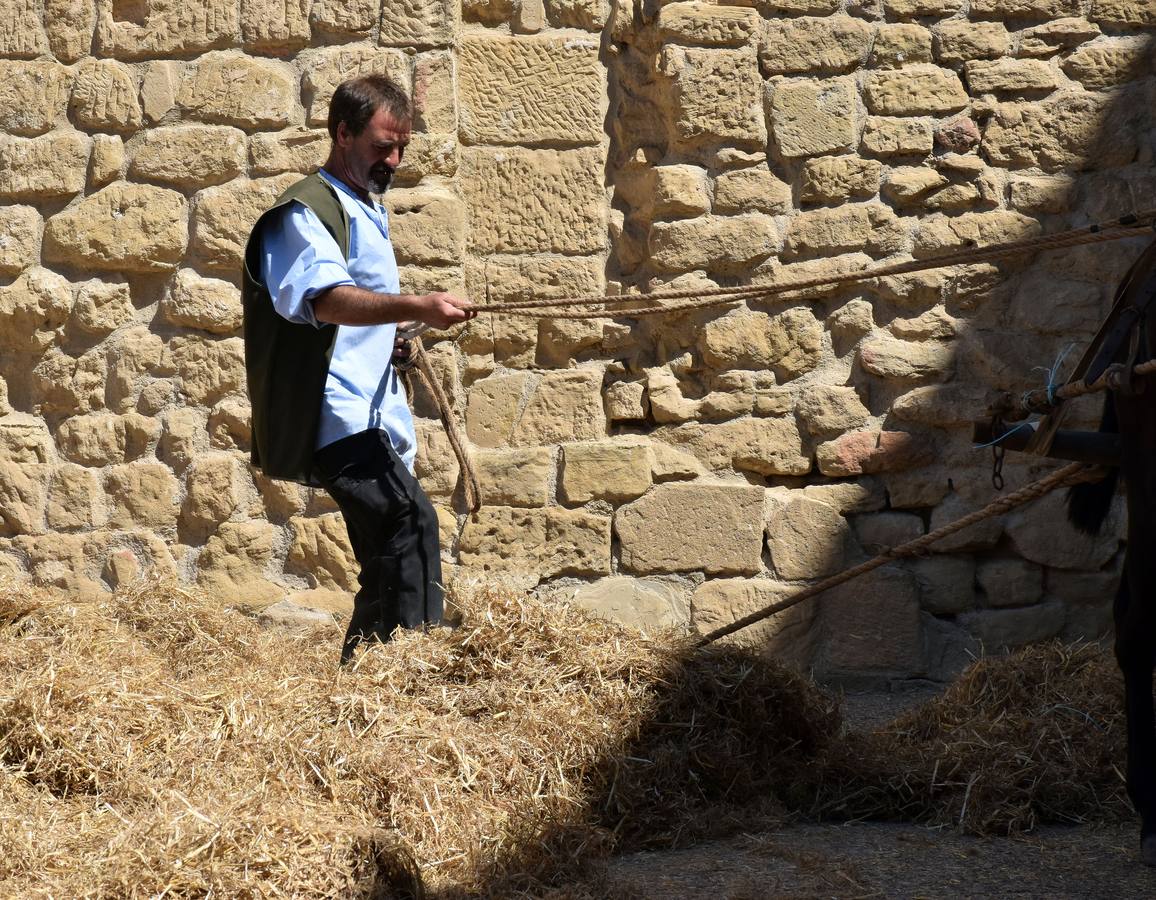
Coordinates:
column 694, row 298
column 1071, row 474
column 420, row 363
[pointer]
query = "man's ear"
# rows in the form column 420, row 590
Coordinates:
column 343, row 135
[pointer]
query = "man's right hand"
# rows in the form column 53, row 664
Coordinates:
column 443, row 310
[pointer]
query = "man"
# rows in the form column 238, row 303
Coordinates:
column 322, row 302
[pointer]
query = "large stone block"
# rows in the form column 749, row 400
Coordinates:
column 209, row 304
column 435, row 101
column 1040, row 532
column 812, row 117
column 534, row 201
column 51, row 165
column 104, row 96
column 718, row 243
column 553, row 90
column 767, row 446
column 1024, row 9
column 168, row 27
column 1063, row 132
column 829, row 44
column 141, row 495
column 896, row 46
column 1009, row 76
column 705, row 24
column 75, row 499
column 20, row 230
column 427, row 225
column 345, row 17
column 326, row 68
column 25, row 440
column 275, row 24
column 494, row 407
column 419, row 23
column 907, row 9
column 751, row 190
column 1108, row 65
column 872, row 452
column 96, row 440
column 23, row 497
column 885, row 136
column 914, row 91
column 829, row 409
column 124, row 227
column 788, row 635
column 870, row 228
column 223, row 216
column 714, row 528
column 230, row 88
column 293, row 150
column 807, row 538
column 208, row 369
column 515, row 477
column 33, row 308
column 828, row 179
column 789, row 342
column 233, row 564
column 960, row 40
column 213, row 491
column 22, row 30
column 640, row 603
column 1124, row 12
column 33, row 96
column 1010, row 582
column 889, row 357
column 716, row 95
column 1002, row 629
column 605, row 470
column 188, row 155
column 320, row 550
column 563, row 406
column 941, row 234
column 540, row 542
column 872, row 626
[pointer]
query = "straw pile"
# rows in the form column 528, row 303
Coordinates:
column 154, row 744
column 1037, row 737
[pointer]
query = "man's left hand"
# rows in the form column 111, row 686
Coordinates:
column 403, row 356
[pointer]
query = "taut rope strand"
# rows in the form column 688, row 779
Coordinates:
column 693, row 298
column 1070, row 474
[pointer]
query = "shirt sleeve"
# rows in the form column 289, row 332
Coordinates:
column 299, row 260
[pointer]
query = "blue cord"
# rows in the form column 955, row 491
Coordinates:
column 1053, row 371
column 1003, row 436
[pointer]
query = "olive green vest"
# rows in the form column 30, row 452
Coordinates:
column 287, row 363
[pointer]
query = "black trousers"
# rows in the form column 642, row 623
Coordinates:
column 394, row 533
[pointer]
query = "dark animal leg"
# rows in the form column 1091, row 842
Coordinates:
column 1136, row 653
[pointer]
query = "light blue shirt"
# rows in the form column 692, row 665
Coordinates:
column 299, row 260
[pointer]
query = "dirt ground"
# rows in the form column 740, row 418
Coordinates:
column 871, row 859
column 886, row 860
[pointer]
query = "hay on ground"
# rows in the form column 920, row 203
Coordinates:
column 1037, row 737
column 154, row 744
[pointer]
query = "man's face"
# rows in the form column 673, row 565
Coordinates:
column 373, row 156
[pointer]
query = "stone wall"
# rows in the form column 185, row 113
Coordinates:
column 681, row 469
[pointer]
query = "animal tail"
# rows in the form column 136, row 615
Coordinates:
column 1089, row 502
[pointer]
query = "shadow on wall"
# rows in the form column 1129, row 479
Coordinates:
column 747, row 149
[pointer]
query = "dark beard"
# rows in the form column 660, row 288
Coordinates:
column 378, row 179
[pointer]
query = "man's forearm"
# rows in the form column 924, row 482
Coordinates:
column 347, row 304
